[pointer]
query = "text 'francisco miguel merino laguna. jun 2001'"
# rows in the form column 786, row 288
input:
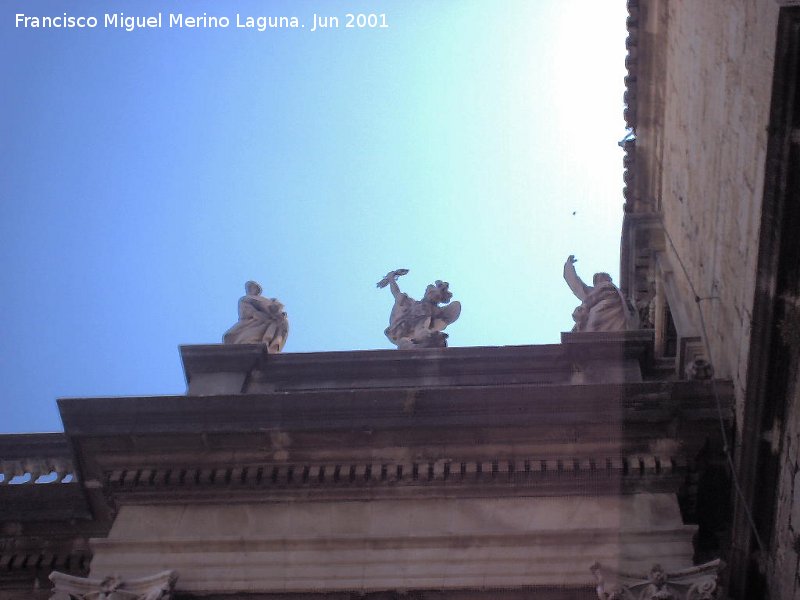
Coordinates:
column 129, row 23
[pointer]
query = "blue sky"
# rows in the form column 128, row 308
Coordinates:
column 147, row 175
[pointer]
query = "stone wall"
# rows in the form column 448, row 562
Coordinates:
column 720, row 56
column 706, row 138
column 784, row 564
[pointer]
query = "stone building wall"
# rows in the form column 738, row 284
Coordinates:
column 706, row 139
column 720, row 56
column 784, row 562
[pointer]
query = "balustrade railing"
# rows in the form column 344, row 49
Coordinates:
column 35, row 459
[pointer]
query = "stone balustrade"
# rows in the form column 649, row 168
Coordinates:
column 40, row 458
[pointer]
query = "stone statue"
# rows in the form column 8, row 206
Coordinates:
column 261, row 321
column 419, row 323
column 603, row 307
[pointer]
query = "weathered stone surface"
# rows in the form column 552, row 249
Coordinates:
column 394, row 544
column 707, row 173
column 704, row 85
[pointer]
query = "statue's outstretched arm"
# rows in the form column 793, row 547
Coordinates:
column 575, row 283
column 391, row 281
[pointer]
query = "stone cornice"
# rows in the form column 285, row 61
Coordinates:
column 475, row 441
column 421, row 408
column 467, row 422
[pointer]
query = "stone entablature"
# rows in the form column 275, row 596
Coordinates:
column 331, row 442
column 354, row 441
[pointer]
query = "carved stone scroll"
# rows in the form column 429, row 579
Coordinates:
column 154, row 587
column 695, row 583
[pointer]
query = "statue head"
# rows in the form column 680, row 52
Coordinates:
column 657, row 576
column 438, row 293
column 252, row 288
column 601, row 278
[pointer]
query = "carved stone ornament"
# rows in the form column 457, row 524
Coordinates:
column 419, row 323
column 695, row 583
column 699, row 370
column 261, row 321
column 154, row 587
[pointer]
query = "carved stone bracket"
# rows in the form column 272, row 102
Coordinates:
column 695, row 583
column 154, row 587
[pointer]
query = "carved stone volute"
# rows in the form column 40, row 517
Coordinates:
column 114, row 587
column 695, row 583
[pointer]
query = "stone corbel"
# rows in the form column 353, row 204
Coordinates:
column 154, row 587
column 695, row 583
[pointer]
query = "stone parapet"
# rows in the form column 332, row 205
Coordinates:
column 247, row 368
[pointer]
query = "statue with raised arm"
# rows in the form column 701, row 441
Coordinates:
column 419, row 323
column 261, row 321
column 603, row 307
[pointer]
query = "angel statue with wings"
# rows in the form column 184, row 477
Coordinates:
column 419, row 323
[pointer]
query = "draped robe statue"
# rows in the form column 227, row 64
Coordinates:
column 261, row 321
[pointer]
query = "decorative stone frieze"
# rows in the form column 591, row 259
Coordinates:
column 154, row 587
column 695, row 583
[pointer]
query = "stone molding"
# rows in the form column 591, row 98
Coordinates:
column 398, row 442
column 586, row 475
column 694, row 583
column 154, row 587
